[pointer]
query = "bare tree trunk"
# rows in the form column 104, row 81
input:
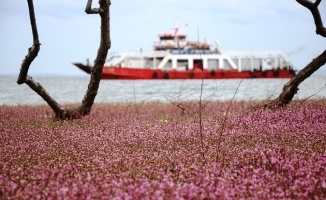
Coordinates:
column 96, row 72
column 291, row 87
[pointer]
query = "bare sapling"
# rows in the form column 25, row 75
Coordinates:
column 224, row 121
column 178, row 103
column 200, row 105
column 96, row 71
column 220, row 133
column 200, row 115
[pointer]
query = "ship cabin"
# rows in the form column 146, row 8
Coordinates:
column 171, row 41
column 181, row 60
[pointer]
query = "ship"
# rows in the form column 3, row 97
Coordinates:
column 173, row 57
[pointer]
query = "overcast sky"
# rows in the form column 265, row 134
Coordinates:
column 68, row 34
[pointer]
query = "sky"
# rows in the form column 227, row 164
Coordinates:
column 68, row 34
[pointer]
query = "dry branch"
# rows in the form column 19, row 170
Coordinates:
column 33, row 51
column 291, row 87
column 96, row 71
column 105, row 45
column 313, row 7
column 44, row 94
column 89, row 9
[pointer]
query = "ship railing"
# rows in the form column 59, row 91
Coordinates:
column 247, row 60
column 115, row 59
column 192, row 52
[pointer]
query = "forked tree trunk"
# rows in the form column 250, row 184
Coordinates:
column 96, row 72
column 291, row 88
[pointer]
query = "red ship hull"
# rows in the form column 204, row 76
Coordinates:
column 132, row 74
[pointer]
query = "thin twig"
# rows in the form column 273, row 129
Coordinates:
column 225, row 118
column 200, row 103
column 305, row 99
column 223, row 123
column 178, row 105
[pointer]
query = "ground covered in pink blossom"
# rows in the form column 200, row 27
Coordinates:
column 159, row 151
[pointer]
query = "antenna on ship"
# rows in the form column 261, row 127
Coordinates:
column 176, row 39
column 175, row 27
column 218, row 46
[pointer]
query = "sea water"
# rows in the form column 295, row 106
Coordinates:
column 66, row 90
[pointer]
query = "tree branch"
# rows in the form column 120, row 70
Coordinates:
column 43, row 93
column 291, row 88
column 96, row 71
column 32, row 54
column 313, row 7
column 317, row 3
column 89, row 9
column 105, row 45
column 33, row 51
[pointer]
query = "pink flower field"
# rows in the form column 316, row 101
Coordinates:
column 158, row 151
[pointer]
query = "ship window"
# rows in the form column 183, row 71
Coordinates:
column 245, row 64
column 227, row 65
column 148, row 63
column 113, row 59
column 274, row 63
column 167, row 38
column 168, row 65
column 248, row 64
column 213, row 64
column 236, row 61
column 256, row 64
column 182, row 64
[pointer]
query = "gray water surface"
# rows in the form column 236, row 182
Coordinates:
column 72, row 90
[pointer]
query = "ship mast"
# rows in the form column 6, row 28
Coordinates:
column 176, row 38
